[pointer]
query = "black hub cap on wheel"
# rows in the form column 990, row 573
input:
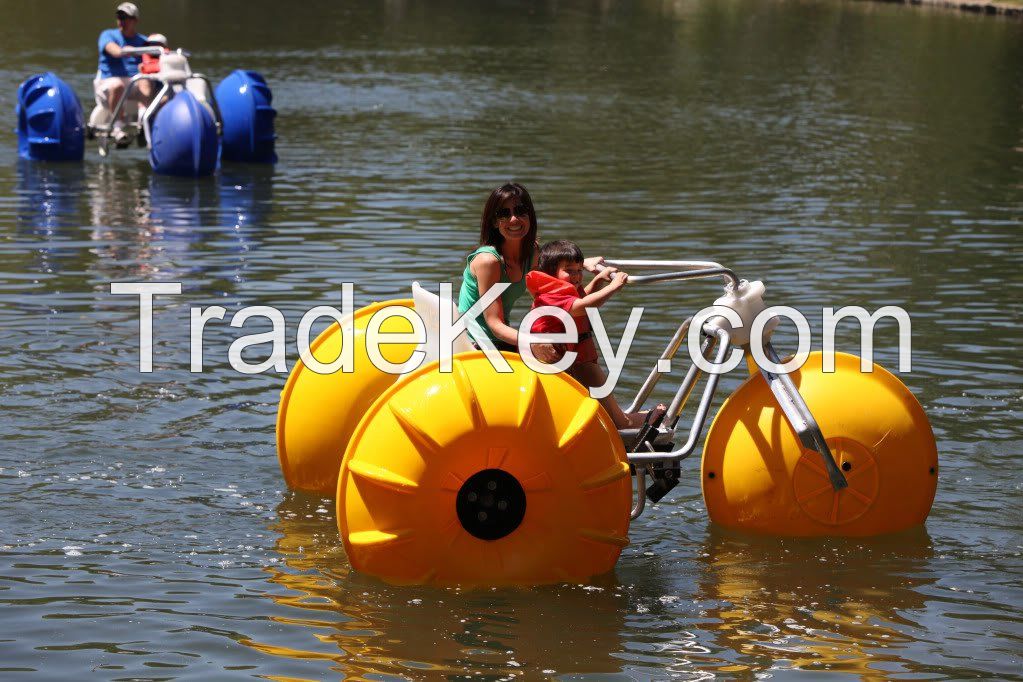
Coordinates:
column 491, row 504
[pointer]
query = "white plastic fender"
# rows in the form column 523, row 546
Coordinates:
column 427, row 306
column 748, row 302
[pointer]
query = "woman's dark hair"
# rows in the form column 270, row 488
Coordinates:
column 491, row 236
column 552, row 254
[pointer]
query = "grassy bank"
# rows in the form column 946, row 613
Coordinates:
column 1009, row 8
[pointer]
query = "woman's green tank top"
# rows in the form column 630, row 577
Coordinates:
column 470, row 293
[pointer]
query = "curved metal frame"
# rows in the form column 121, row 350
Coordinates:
column 166, row 88
column 791, row 402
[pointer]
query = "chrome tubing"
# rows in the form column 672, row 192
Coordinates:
column 678, row 403
column 655, row 375
column 687, row 270
column 701, row 411
column 802, row 421
column 154, row 50
column 640, row 504
column 128, row 90
column 687, row 274
column 151, row 110
column 640, row 264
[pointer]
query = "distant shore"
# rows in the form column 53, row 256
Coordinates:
column 1007, row 9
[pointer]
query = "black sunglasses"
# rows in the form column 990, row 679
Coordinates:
column 520, row 211
column 123, row 16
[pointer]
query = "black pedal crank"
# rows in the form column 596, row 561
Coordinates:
column 665, row 476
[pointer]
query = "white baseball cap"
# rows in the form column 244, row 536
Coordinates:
column 129, row 8
column 156, row 39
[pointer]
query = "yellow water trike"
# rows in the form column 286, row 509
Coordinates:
column 470, row 475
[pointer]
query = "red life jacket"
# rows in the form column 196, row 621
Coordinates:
column 150, row 63
column 548, row 290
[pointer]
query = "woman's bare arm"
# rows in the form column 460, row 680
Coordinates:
column 487, row 269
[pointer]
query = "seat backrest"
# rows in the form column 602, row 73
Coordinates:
column 427, row 306
column 174, row 67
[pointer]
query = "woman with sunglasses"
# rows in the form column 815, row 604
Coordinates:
column 508, row 249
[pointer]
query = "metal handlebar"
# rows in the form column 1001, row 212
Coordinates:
column 154, row 50
column 661, row 264
column 684, row 269
column 700, row 418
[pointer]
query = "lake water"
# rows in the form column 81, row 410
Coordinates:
column 846, row 153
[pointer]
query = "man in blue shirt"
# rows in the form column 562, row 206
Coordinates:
column 117, row 65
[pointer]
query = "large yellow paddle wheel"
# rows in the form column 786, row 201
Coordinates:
column 480, row 477
column 319, row 412
column 757, row 475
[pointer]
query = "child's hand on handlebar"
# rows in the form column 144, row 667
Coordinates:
column 619, row 279
column 604, row 274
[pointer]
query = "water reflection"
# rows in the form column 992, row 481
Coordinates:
column 365, row 627
column 48, row 209
column 246, row 195
column 139, row 221
column 118, row 195
column 245, row 208
column 837, row 605
column 149, row 226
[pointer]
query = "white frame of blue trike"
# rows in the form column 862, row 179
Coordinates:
column 167, row 82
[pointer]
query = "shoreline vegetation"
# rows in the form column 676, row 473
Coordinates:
column 1006, row 8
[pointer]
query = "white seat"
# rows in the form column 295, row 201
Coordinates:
column 427, row 306
column 174, row 68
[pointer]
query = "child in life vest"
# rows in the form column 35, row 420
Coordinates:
column 558, row 282
column 151, row 62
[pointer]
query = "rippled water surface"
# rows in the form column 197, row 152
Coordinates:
column 847, row 153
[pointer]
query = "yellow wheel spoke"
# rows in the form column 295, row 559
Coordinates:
column 858, row 495
column 468, row 395
column 531, row 391
column 426, row 445
column 537, row 483
column 369, row 538
column 604, row 538
column 381, row 476
column 814, row 466
column 814, row 493
column 496, row 457
column 586, row 413
column 613, row 473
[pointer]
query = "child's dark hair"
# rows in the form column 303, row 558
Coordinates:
column 553, row 253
